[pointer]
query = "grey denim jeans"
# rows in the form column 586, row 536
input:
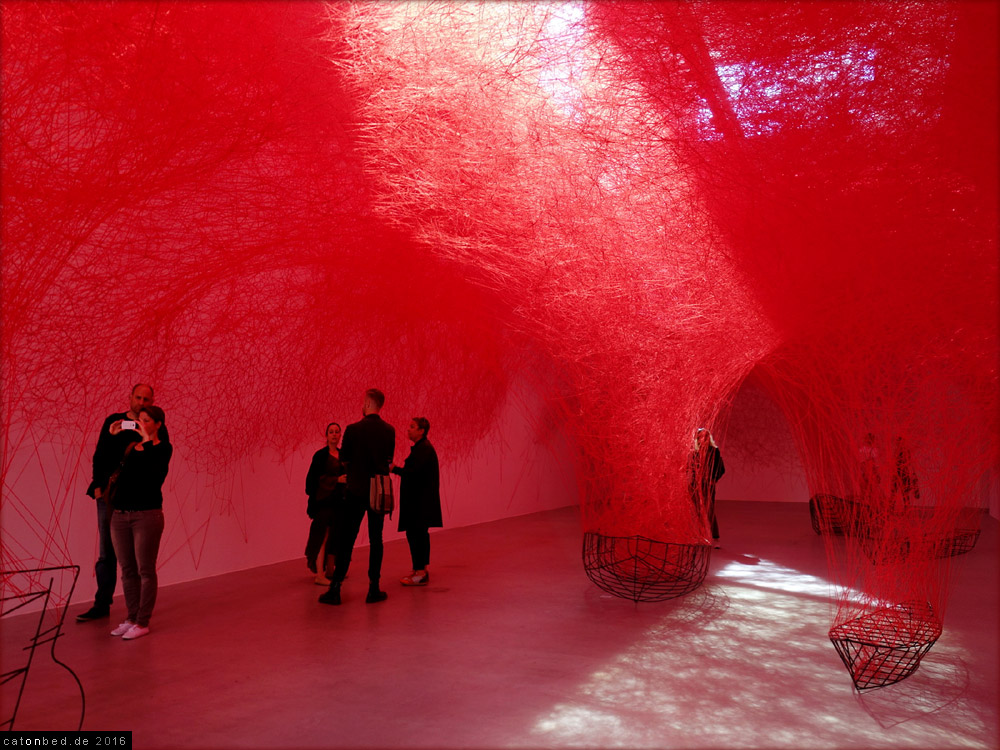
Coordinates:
column 136, row 536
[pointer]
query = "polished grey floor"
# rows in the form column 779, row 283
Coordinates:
column 512, row 646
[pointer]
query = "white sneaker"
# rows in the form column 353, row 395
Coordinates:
column 136, row 631
column 123, row 628
column 415, row 579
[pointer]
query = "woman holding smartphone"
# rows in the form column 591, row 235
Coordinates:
column 137, row 517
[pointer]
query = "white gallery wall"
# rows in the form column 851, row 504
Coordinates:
column 255, row 514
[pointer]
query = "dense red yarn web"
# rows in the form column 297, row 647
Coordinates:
column 183, row 209
column 632, row 208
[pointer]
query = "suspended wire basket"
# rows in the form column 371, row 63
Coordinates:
column 885, row 646
column 642, row 569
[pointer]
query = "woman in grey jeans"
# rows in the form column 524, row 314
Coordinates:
column 137, row 517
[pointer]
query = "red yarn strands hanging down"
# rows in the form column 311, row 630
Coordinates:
column 501, row 137
column 181, row 204
column 704, row 199
column 836, row 158
column 247, row 201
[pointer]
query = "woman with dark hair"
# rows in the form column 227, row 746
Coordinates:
column 325, row 486
column 705, row 468
column 419, row 499
column 136, row 501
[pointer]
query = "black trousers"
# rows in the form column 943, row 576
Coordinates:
column 106, row 567
column 704, row 503
column 346, row 525
column 420, row 547
column 711, row 515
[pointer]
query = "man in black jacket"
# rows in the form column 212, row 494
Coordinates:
column 419, row 499
column 107, row 458
column 366, row 450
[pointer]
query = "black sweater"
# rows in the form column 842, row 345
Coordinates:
column 140, row 485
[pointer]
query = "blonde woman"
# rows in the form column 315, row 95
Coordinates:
column 705, row 468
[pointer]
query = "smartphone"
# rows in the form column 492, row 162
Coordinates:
column 128, row 424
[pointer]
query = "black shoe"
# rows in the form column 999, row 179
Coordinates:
column 332, row 596
column 94, row 613
column 374, row 595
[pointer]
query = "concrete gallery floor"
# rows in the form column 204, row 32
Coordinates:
column 512, row 647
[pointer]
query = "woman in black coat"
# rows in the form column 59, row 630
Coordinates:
column 419, row 499
column 705, row 468
column 325, row 487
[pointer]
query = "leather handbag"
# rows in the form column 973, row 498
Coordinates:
column 111, row 491
column 382, row 499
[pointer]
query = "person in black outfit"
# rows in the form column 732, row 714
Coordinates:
column 137, row 518
column 367, row 450
column 419, row 499
column 325, row 486
column 905, row 486
column 705, row 468
column 107, row 458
